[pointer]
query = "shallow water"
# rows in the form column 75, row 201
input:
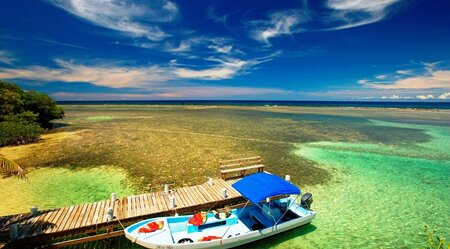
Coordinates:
column 377, row 182
column 57, row 187
column 381, row 196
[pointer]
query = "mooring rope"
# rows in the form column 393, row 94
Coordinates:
column 226, row 231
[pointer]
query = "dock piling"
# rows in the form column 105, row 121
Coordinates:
column 210, row 181
column 166, row 189
column 224, row 193
column 287, row 178
column 110, row 214
column 34, row 211
column 14, row 232
column 172, row 203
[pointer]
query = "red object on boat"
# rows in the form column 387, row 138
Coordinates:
column 197, row 219
column 209, row 238
column 151, row 227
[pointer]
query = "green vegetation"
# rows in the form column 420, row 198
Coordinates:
column 24, row 115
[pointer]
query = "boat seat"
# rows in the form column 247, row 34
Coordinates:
column 271, row 212
column 255, row 214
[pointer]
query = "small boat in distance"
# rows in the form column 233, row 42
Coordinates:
column 274, row 208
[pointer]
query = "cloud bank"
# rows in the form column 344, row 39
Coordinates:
column 123, row 16
column 427, row 77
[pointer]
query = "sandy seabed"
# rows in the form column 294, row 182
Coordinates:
column 377, row 175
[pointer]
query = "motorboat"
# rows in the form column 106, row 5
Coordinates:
column 273, row 206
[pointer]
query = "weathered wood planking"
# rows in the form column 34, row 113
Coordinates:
column 92, row 217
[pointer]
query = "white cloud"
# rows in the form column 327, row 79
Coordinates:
column 381, row 77
column 335, row 15
column 396, row 97
column 201, row 44
column 424, row 97
column 429, row 78
column 100, row 74
column 354, row 13
column 436, row 79
column 61, row 43
column 379, row 94
column 6, row 57
column 405, row 72
column 279, row 23
column 210, row 12
column 445, row 95
column 225, row 68
column 107, row 74
column 174, row 93
column 123, row 16
column 183, row 46
column 226, row 49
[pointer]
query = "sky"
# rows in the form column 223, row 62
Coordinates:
column 228, row 50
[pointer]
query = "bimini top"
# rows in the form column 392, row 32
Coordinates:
column 259, row 186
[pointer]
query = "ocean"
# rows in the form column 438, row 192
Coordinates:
column 378, row 104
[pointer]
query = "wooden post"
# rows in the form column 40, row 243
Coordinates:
column 14, row 232
column 224, row 193
column 210, row 181
column 287, row 178
column 110, row 214
column 34, row 210
column 172, row 203
column 166, row 189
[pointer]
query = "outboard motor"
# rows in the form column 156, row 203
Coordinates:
column 307, row 200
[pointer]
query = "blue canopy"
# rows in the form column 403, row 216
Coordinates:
column 259, row 186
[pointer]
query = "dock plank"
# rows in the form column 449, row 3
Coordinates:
column 87, row 214
column 66, row 219
column 58, row 219
column 179, row 200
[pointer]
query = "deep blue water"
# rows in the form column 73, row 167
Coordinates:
column 380, row 104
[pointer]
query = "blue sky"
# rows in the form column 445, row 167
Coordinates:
column 266, row 50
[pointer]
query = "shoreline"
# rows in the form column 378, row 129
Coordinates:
column 440, row 105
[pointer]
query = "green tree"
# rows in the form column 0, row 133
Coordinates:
column 44, row 106
column 24, row 114
column 10, row 99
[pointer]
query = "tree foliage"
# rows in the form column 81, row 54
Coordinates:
column 44, row 106
column 25, row 114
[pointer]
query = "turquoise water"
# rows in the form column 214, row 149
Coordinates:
column 381, row 195
column 388, row 178
column 57, row 187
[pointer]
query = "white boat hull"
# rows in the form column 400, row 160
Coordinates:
column 151, row 241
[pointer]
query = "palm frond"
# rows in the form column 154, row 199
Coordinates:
column 9, row 167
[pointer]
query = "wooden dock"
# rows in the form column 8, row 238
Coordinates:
column 92, row 219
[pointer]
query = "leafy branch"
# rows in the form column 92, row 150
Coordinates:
column 9, row 167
